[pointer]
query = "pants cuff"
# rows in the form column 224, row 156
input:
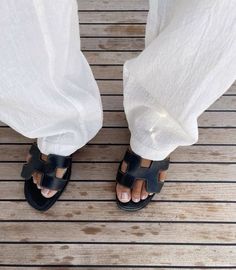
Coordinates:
column 147, row 152
column 47, row 148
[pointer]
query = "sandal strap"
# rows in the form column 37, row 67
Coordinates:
column 135, row 171
column 53, row 183
column 47, row 168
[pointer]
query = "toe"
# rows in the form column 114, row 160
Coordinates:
column 36, row 179
column 162, row 176
column 136, row 191
column 123, row 193
column 28, row 157
column 47, row 193
column 144, row 193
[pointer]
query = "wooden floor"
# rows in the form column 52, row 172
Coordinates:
column 190, row 225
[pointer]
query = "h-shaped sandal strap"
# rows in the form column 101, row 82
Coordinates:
column 46, row 168
column 135, row 171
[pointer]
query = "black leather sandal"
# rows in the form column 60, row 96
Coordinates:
column 48, row 179
column 135, row 171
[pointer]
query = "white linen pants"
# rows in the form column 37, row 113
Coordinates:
column 48, row 92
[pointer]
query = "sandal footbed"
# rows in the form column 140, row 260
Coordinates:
column 133, row 206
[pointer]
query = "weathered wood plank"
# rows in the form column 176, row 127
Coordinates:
column 101, row 44
column 112, row 5
column 107, row 171
column 88, row 211
column 89, row 268
column 206, row 136
column 107, row 72
column 223, row 103
column 115, row 72
column 114, row 153
column 114, row 119
column 109, row 58
column 104, row 232
column 101, row 191
column 232, row 89
column 107, row 17
column 171, row 191
column 217, row 119
column 108, row 87
column 93, row 268
column 196, row 153
column 105, row 254
column 112, row 30
column 226, row 103
column 207, row 119
column 122, row 136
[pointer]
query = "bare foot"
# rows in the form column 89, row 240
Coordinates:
column 139, row 191
column 47, row 193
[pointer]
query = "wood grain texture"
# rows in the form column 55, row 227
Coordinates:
column 114, row 5
column 108, row 211
column 97, row 268
column 94, row 268
column 135, row 232
column 191, row 224
column 112, row 44
column 109, row 87
column 107, row 254
column 120, row 17
column 114, row 153
column 207, row 119
column 221, row 119
column 108, row 58
column 107, row 171
column 225, row 103
column 112, row 30
column 122, row 136
column 102, row 191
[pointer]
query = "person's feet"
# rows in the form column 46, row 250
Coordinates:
column 47, row 193
column 124, row 194
column 139, row 191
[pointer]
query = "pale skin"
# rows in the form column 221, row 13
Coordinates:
column 124, row 194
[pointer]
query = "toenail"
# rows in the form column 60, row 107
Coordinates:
column 144, row 197
column 124, row 196
column 45, row 191
column 135, row 200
